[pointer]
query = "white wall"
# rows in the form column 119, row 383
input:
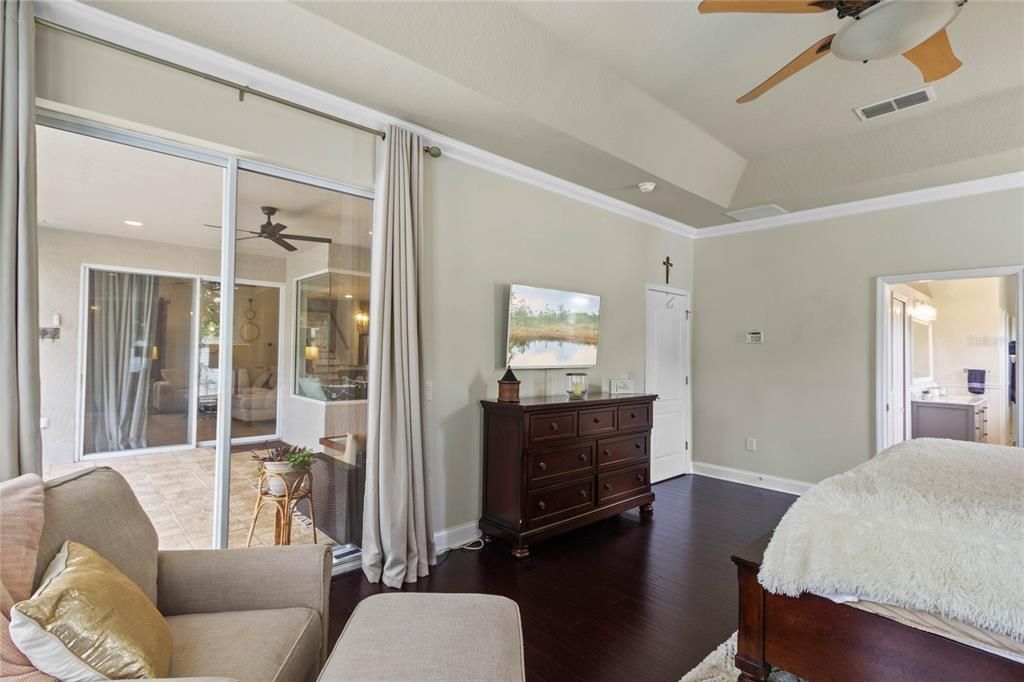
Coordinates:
column 807, row 394
column 483, row 232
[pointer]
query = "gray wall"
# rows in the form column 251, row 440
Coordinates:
column 807, row 394
column 485, row 231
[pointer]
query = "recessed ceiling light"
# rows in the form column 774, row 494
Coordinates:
column 348, row 295
column 646, row 187
column 133, row 223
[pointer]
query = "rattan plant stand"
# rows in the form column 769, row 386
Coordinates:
column 298, row 486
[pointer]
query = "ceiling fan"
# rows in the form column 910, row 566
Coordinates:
column 878, row 29
column 275, row 232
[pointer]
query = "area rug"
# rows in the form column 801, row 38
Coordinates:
column 718, row 667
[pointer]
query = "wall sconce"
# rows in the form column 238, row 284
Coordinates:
column 312, row 353
column 362, row 322
column 154, row 353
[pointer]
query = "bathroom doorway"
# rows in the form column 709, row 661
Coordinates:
column 946, row 356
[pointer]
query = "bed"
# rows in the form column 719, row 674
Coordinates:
column 908, row 567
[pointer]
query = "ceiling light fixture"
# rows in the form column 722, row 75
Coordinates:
column 133, row 223
column 646, row 187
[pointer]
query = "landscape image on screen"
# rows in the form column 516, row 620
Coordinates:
column 549, row 328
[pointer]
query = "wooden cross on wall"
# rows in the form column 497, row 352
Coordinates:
column 668, row 267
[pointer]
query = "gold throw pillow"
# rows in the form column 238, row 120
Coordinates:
column 88, row 620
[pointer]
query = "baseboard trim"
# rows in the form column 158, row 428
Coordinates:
column 758, row 480
column 450, row 538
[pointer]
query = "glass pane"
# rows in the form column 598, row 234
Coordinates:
column 333, row 335
column 317, row 241
column 123, row 246
column 137, row 361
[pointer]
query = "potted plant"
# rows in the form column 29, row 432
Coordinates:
column 287, row 463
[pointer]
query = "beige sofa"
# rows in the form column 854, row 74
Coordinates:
column 235, row 614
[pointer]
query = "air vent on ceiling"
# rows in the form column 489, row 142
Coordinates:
column 755, row 212
column 891, row 106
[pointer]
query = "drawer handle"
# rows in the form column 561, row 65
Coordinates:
column 640, row 478
column 607, row 452
column 637, row 445
column 597, row 420
column 607, row 486
column 583, row 458
column 542, row 466
column 553, row 426
column 541, row 505
column 632, row 415
column 583, row 493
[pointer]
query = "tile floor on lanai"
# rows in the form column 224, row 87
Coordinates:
column 176, row 491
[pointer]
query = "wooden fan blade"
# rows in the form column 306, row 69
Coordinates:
column 766, row 6
column 304, row 238
column 934, row 57
column 803, row 60
column 280, row 242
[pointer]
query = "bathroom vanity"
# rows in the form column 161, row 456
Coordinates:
column 959, row 418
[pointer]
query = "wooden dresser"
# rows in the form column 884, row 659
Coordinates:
column 555, row 464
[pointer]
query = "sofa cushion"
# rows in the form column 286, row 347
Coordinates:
column 430, row 637
column 97, row 508
column 274, row 644
column 177, row 377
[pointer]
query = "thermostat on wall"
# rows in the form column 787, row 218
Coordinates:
column 755, row 337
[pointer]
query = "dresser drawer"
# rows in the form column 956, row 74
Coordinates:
column 559, row 502
column 616, row 485
column 547, row 465
column 614, row 452
column 596, row 422
column 552, row 426
column 634, row 417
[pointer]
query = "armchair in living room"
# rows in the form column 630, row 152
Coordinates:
column 234, row 614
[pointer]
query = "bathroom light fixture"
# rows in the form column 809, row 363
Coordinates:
column 924, row 312
column 348, row 295
column 646, row 187
column 133, row 223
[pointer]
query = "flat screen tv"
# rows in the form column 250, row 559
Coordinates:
column 550, row 329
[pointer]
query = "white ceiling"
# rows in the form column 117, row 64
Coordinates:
column 91, row 185
column 609, row 94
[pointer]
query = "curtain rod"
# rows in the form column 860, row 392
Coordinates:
column 243, row 90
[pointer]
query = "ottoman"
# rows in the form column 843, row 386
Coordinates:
column 409, row 636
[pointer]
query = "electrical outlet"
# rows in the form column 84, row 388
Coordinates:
column 428, row 391
column 751, row 444
column 44, row 422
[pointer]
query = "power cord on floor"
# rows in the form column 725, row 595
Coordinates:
column 471, row 546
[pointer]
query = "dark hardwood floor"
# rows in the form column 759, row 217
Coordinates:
column 620, row 599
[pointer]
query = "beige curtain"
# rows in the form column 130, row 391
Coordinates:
column 20, row 445
column 398, row 545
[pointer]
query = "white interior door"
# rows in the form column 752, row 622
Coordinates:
column 667, row 374
column 897, row 388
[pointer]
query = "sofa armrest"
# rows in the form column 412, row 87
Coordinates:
column 212, row 580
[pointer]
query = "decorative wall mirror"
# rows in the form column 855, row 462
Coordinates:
column 249, row 331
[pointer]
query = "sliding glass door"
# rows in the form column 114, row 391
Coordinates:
column 202, row 307
column 137, row 362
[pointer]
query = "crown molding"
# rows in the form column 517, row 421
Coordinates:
column 995, row 183
column 93, row 21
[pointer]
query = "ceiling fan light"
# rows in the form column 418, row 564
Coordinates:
column 893, row 27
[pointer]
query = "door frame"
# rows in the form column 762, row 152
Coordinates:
column 883, row 287
column 688, row 388
column 905, row 380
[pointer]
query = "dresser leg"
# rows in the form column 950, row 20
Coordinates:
column 647, row 509
column 520, row 551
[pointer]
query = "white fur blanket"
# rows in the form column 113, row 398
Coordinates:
column 932, row 525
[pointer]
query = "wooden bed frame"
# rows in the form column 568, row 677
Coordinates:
column 822, row 641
